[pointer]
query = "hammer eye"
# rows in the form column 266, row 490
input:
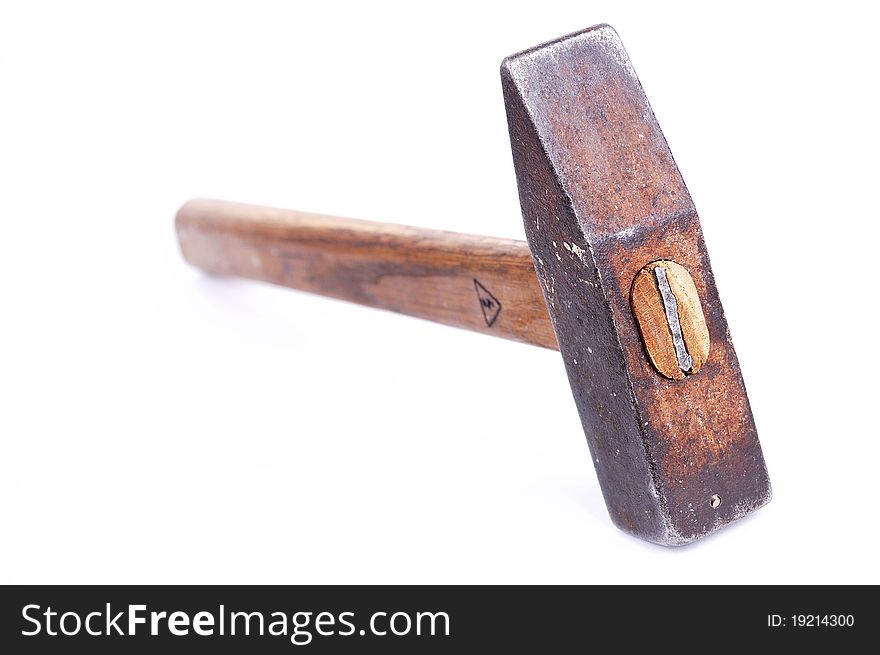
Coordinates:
column 667, row 308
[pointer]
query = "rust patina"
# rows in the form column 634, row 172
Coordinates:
column 601, row 198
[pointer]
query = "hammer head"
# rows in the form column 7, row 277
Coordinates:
column 676, row 452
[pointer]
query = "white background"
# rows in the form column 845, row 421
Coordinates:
column 157, row 425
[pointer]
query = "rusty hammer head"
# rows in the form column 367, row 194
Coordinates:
column 619, row 253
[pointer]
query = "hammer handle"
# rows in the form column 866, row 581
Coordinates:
column 478, row 283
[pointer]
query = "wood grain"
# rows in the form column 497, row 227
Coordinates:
column 647, row 307
column 690, row 313
column 477, row 283
column 651, row 317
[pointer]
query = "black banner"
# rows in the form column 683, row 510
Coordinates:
column 427, row 619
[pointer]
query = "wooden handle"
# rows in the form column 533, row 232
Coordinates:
column 477, row 283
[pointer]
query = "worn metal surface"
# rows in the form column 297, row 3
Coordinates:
column 602, row 197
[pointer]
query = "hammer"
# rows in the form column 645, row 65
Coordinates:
column 615, row 275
